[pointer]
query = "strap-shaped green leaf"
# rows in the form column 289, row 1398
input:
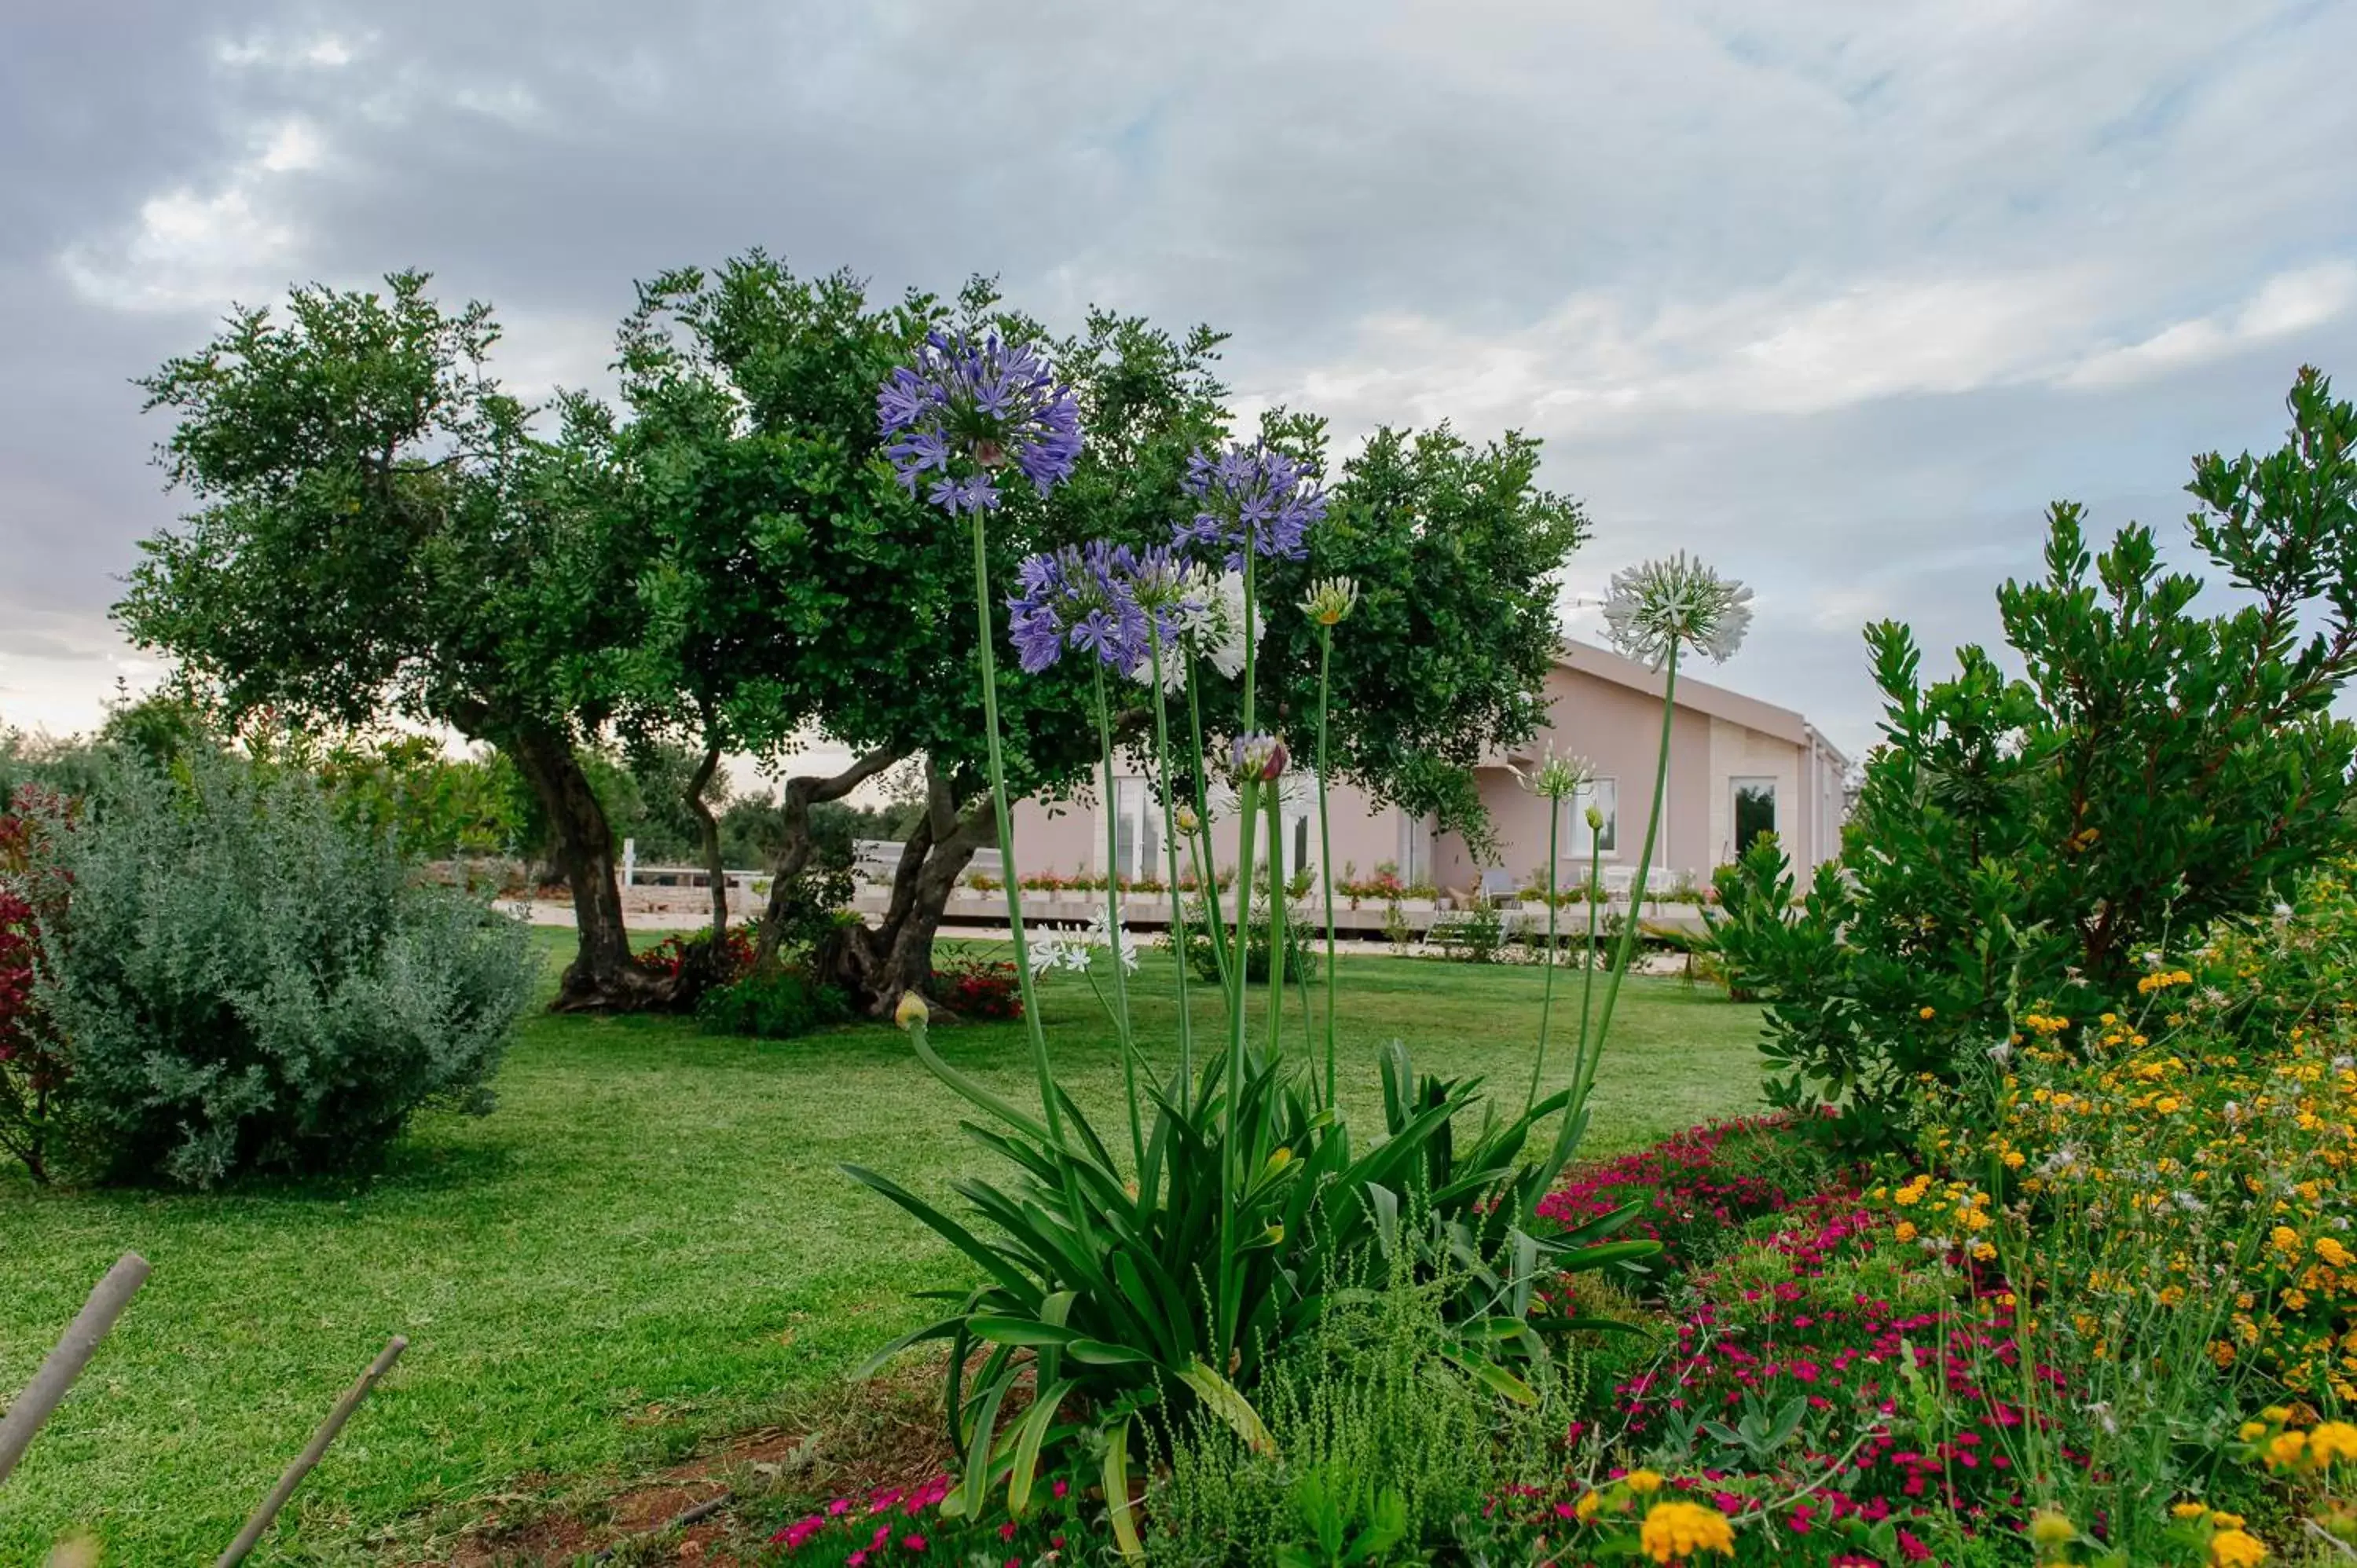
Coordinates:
column 1117, row 1491
column 1028, row 1437
column 1494, row 1378
column 974, row 1485
column 1221, row 1398
column 957, row 1235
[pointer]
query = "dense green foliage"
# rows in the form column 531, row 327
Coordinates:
column 1390, row 1450
column 233, row 980
column 2152, row 770
column 775, row 1003
column 376, row 534
column 1301, row 955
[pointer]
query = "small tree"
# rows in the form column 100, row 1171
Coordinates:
column 2028, row 841
column 377, row 533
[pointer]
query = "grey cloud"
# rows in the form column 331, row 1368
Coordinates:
column 1839, row 297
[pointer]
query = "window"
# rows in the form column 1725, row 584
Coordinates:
column 1755, row 810
column 1136, row 829
column 1604, row 794
column 1415, row 849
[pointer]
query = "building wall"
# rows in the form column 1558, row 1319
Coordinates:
column 1594, row 713
column 1068, row 837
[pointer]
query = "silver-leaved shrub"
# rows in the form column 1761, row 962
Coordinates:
column 233, row 980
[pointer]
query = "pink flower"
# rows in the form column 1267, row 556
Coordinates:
column 913, row 1542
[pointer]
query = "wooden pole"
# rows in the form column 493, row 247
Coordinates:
column 66, row 1362
column 263, row 1516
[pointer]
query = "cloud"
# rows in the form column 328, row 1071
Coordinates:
column 1840, row 296
column 196, row 249
column 2284, row 305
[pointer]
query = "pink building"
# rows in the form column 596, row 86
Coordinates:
column 1737, row 766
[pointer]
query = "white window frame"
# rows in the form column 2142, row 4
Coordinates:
column 1576, row 839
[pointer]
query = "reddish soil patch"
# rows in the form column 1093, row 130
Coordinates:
column 886, row 1433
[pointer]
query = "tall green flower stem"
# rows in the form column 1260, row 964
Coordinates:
column 1234, row 1157
column 1574, row 1113
column 1245, row 793
column 1275, row 808
column 1230, row 1282
column 1326, row 855
column 1171, row 848
column 1112, row 930
column 1010, row 877
column 1588, row 971
column 1216, row 917
column 1546, row 996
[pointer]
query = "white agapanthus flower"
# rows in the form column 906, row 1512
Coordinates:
column 1064, row 947
column 1220, row 799
column 1556, row 777
column 1675, row 602
column 1296, row 792
column 1120, row 942
column 1210, row 627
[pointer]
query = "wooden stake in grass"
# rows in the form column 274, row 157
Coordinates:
column 263, row 1516
column 49, row 1386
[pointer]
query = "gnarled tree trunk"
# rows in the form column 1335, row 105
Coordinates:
column 880, row 964
column 706, row 966
column 876, row 965
column 601, row 976
column 793, row 856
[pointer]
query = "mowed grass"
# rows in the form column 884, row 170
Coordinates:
column 649, row 1243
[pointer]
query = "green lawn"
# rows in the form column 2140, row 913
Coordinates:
column 648, row 1243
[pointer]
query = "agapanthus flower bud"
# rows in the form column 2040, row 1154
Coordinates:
column 911, row 1011
column 1186, row 818
column 1330, row 600
column 1675, row 602
column 1261, row 757
column 1595, row 817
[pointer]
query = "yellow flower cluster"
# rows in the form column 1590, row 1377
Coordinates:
column 1675, row 1531
column 2194, row 1149
column 1957, row 1211
column 2281, row 1443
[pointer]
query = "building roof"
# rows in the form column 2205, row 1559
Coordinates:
column 1695, row 693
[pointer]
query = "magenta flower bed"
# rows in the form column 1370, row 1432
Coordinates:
column 1698, row 1185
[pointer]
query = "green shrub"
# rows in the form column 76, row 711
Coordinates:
column 1300, row 956
column 2028, row 840
column 775, row 1003
column 236, row 981
column 1379, row 1436
column 1476, row 936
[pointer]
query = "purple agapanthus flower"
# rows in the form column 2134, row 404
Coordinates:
column 964, row 410
column 1103, row 599
column 1252, row 497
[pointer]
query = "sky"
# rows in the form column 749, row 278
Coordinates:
column 1839, row 296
